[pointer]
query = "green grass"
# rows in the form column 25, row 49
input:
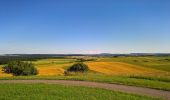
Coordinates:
column 141, row 81
column 61, row 92
column 159, row 81
column 53, row 61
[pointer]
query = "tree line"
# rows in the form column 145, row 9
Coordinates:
column 8, row 58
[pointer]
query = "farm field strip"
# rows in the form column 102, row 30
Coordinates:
column 52, row 67
column 121, row 68
column 159, row 63
column 109, row 66
column 50, row 71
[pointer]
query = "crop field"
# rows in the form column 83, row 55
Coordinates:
column 111, row 66
column 159, row 63
column 120, row 68
column 2, row 74
column 52, row 66
column 152, row 72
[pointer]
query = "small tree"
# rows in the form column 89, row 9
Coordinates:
column 20, row 68
column 78, row 67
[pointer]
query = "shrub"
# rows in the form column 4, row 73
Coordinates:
column 78, row 67
column 19, row 68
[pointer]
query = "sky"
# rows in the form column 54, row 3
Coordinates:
column 84, row 26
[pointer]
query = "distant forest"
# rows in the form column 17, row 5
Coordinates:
column 4, row 59
column 8, row 58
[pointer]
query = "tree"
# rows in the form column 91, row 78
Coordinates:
column 78, row 67
column 19, row 68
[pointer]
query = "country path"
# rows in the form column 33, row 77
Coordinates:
column 122, row 88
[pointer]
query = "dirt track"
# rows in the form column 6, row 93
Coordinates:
column 122, row 88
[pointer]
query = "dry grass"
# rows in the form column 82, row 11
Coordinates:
column 47, row 67
column 2, row 74
column 116, row 68
column 52, row 67
column 50, row 71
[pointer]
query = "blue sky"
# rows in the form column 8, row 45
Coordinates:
column 84, row 26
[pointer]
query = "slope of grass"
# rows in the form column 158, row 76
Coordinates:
column 120, row 68
column 48, row 67
column 159, row 63
column 61, row 92
column 113, row 66
column 141, row 81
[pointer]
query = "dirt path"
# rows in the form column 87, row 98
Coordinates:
column 122, row 88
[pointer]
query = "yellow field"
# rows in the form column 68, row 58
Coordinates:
column 116, row 68
column 3, row 74
column 53, row 67
column 50, row 71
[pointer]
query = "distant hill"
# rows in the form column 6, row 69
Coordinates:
column 102, row 54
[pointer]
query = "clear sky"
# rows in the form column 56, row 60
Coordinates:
column 84, row 26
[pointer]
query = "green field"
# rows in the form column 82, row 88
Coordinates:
column 149, row 71
column 150, row 82
column 61, row 92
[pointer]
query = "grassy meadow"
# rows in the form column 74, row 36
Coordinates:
column 149, row 71
column 61, row 92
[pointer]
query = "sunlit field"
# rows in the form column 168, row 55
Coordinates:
column 53, row 66
column 108, row 66
column 2, row 74
column 120, row 68
column 61, row 92
column 84, row 50
column 139, row 71
column 160, row 63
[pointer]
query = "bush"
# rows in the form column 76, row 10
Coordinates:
column 78, row 67
column 19, row 68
